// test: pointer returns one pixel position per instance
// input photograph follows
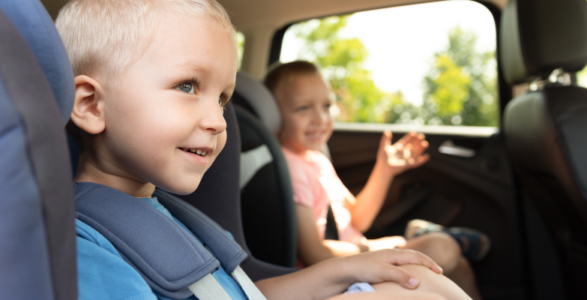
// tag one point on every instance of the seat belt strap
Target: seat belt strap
(248, 286)
(208, 288)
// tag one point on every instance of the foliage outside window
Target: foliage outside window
(240, 43)
(459, 87)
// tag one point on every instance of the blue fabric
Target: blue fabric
(103, 274)
(226, 281)
(23, 244)
(163, 253)
(37, 28)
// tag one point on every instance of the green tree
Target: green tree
(342, 62)
(459, 90)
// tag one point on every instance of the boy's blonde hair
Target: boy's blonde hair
(109, 35)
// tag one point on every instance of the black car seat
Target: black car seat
(266, 194)
(37, 233)
(545, 42)
(266, 189)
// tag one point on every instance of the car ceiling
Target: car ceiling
(253, 14)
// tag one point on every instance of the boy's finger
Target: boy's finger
(423, 259)
(401, 276)
(406, 257)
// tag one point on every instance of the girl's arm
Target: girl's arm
(392, 160)
(312, 248)
(334, 276)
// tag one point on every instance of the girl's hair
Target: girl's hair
(286, 72)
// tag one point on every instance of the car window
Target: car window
(423, 64)
(240, 43)
(582, 77)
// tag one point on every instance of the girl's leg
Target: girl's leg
(430, 282)
(387, 295)
(446, 252)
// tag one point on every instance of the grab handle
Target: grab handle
(449, 148)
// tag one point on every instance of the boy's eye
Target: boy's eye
(186, 87)
(302, 108)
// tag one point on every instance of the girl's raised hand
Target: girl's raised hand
(405, 154)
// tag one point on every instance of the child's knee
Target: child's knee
(442, 248)
(430, 282)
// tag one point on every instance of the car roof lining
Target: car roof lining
(253, 14)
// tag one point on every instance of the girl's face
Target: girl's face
(305, 110)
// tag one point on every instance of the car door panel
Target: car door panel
(476, 192)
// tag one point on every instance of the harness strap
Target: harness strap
(250, 289)
(168, 257)
(208, 288)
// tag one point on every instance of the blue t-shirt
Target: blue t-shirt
(103, 274)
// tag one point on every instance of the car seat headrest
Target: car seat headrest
(260, 100)
(38, 30)
(539, 36)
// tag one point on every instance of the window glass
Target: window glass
(240, 43)
(424, 64)
(582, 77)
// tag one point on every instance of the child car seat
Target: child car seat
(266, 191)
(37, 252)
(545, 128)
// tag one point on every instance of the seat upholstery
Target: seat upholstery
(267, 195)
(545, 129)
(36, 207)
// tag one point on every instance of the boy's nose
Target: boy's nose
(214, 120)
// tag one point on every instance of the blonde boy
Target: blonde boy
(152, 77)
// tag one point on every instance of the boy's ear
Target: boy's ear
(88, 108)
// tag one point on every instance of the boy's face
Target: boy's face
(169, 103)
(305, 110)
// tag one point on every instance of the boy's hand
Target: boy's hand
(407, 153)
(382, 266)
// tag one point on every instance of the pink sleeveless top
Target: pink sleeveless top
(315, 184)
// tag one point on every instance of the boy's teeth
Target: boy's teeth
(195, 151)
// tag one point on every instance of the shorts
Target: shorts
(360, 287)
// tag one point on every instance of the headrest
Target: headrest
(38, 30)
(539, 36)
(260, 100)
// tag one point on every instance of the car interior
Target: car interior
(522, 182)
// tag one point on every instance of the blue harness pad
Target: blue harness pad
(163, 253)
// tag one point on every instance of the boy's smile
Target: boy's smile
(305, 109)
(163, 118)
